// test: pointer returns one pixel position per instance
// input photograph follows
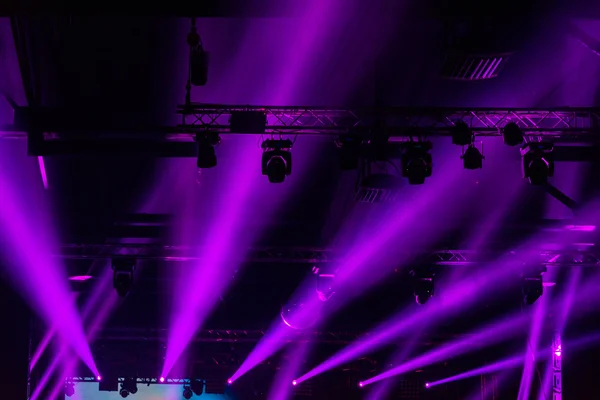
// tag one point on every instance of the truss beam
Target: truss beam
(308, 255)
(399, 121)
(78, 126)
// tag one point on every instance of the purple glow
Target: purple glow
(161, 379)
(80, 278)
(99, 378)
(581, 228)
(229, 381)
(360, 384)
(427, 385)
(294, 382)
(43, 172)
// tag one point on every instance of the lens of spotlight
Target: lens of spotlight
(513, 136)
(69, 389)
(124, 393)
(161, 379)
(187, 393)
(276, 169)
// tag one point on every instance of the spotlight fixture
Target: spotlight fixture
(206, 143)
(161, 379)
(325, 289)
(538, 163)
(197, 386)
(69, 389)
(294, 382)
(416, 162)
(461, 134)
(123, 275)
(513, 135)
(277, 159)
(533, 288)
(130, 385)
(472, 158)
(123, 393)
(423, 286)
(187, 393)
(350, 147)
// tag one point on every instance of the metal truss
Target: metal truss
(147, 381)
(398, 121)
(307, 255)
(182, 253)
(229, 336)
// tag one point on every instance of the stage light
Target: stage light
(161, 379)
(350, 147)
(325, 289)
(427, 385)
(277, 159)
(513, 135)
(187, 392)
(461, 134)
(299, 316)
(538, 163)
(206, 143)
(124, 393)
(123, 275)
(416, 162)
(423, 286)
(229, 381)
(361, 385)
(197, 386)
(472, 158)
(69, 389)
(533, 288)
(130, 385)
(294, 382)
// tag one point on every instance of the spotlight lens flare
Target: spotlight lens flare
(229, 381)
(361, 384)
(427, 385)
(161, 379)
(294, 382)
(99, 378)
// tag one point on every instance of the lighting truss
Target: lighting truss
(55, 125)
(399, 121)
(448, 257)
(147, 381)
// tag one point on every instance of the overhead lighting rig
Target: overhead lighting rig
(277, 159)
(538, 163)
(416, 162)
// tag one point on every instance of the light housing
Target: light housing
(423, 284)
(538, 162)
(513, 135)
(462, 135)
(416, 162)
(472, 158)
(206, 143)
(277, 159)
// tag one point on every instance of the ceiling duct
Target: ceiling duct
(477, 51)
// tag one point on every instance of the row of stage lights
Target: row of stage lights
(129, 386)
(423, 283)
(415, 159)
